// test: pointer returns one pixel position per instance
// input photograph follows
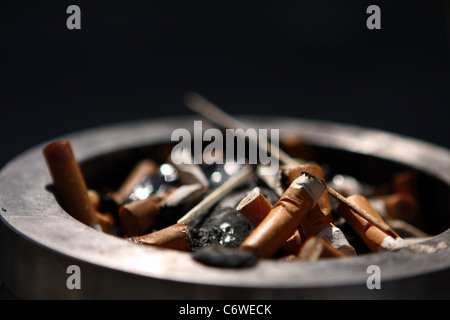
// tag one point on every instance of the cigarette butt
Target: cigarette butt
(284, 218)
(400, 206)
(320, 216)
(375, 239)
(106, 221)
(142, 169)
(69, 183)
(256, 207)
(374, 220)
(316, 248)
(319, 221)
(138, 216)
(95, 199)
(176, 237)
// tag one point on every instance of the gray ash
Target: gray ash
(225, 226)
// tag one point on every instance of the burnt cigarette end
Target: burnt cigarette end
(177, 237)
(58, 151)
(225, 257)
(308, 174)
(137, 217)
(373, 236)
(95, 199)
(312, 184)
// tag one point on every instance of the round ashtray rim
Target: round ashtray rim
(85, 147)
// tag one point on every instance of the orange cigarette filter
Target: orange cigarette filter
(175, 237)
(256, 207)
(319, 220)
(142, 169)
(285, 217)
(95, 198)
(106, 221)
(69, 183)
(375, 239)
(316, 248)
(138, 216)
(402, 206)
(320, 216)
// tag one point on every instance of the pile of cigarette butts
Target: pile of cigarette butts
(232, 215)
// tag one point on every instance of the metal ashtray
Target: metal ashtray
(39, 241)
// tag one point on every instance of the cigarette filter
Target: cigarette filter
(375, 239)
(175, 237)
(256, 207)
(95, 198)
(320, 216)
(70, 187)
(284, 218)
(138, 216)
(319, 221)
(106, 221)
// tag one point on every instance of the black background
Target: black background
(306, 59)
